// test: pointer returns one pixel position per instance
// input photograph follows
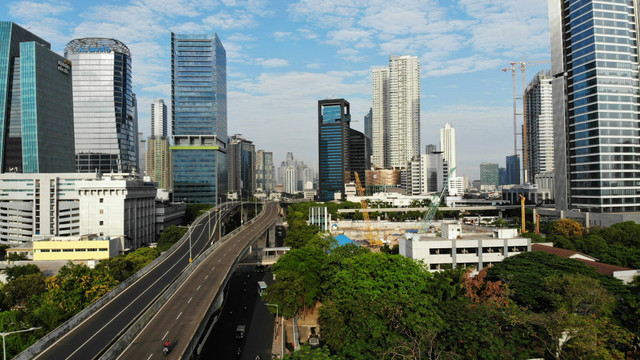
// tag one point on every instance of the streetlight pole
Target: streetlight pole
(4, 334)
(190, 231)
(281, 329)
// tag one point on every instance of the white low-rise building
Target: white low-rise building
(70, 204)
(453, 249)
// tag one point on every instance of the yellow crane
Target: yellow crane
(522, 199)
(365, 214)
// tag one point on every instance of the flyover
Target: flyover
(90, 333)
(185, 317)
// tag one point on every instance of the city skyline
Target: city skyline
(286, 53)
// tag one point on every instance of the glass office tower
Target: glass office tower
(594, 56)
(103, 106)
(199, 109)
(334, 118)
(36, 108)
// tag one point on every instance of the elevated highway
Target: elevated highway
(183, 318)
(92, 332)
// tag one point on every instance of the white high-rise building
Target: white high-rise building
(396, 112)
(290, 180)
(158, 118)
(425, 175)
(539, 100)
(379, 113)
(448, 145)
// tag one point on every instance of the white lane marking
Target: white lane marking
(191, 298)
(213, 267)
(198, 287)
(150, 356)
(206, 277)
(165, 335)
(219, 260)
(179, 315)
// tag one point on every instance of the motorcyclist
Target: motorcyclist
(167, 347)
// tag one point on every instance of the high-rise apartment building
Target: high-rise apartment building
(103, 105)
(159, 165)
(539, 114)
(158, 118)
(396, 112)
(35, 102)
(448, 146)
(334, 118)
(290, 180)
(594, 65)
(425, 174)
(265, 171)
(242, 166)
(142, 154)
(199, 109)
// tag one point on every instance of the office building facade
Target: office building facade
(265, 171)
(242, 164)
(594, 65)
(448, 145)
(359, 154)
(199, 109)
(35, 102)
(105, 124)
(489, 175)
(334, 118)
(539, 113)
(512, 171)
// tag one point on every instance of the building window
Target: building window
(101, 211)
(101, 222)
(101, 200)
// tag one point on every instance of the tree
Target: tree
(567, 227)
(298, 285)
(306, 353)
(193, 211)
(14, 272)
(373, 301)
(24, 289)
(170, 236)
(141, 257)
(119, 267)
(299, 233)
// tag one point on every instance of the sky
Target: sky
(283, 56)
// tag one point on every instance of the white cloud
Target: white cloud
(271, 63)
(280, 35)
(228, 21)
(36, 10)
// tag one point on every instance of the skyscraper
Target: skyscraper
(334, 118)
(242, 165)
(359, 154)
(158, 118)
(368, 125)
(448, 146)
(539, 112)
(489, 174)
(512, 172)
(159, 165)
(594, 65)
(103, 105)
(199, 108)
(265, 171)
(396, 112)
(35, 102)
(379, 117)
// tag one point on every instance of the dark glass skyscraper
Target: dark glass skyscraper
(242, 166)
(512, 170)
(334, 117)
(199, 109)
(36, 107)
(594, 65)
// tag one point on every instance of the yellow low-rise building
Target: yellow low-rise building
(76, 248)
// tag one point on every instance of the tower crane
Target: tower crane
(435, 203)
(364, 205)
(525, 151)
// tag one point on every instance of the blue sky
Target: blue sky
(283, 56)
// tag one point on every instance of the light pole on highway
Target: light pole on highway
(282, 330)
(190, 231)
(3, 334)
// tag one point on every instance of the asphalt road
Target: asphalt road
(95, 334)
(178, 320)
(243, 306)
